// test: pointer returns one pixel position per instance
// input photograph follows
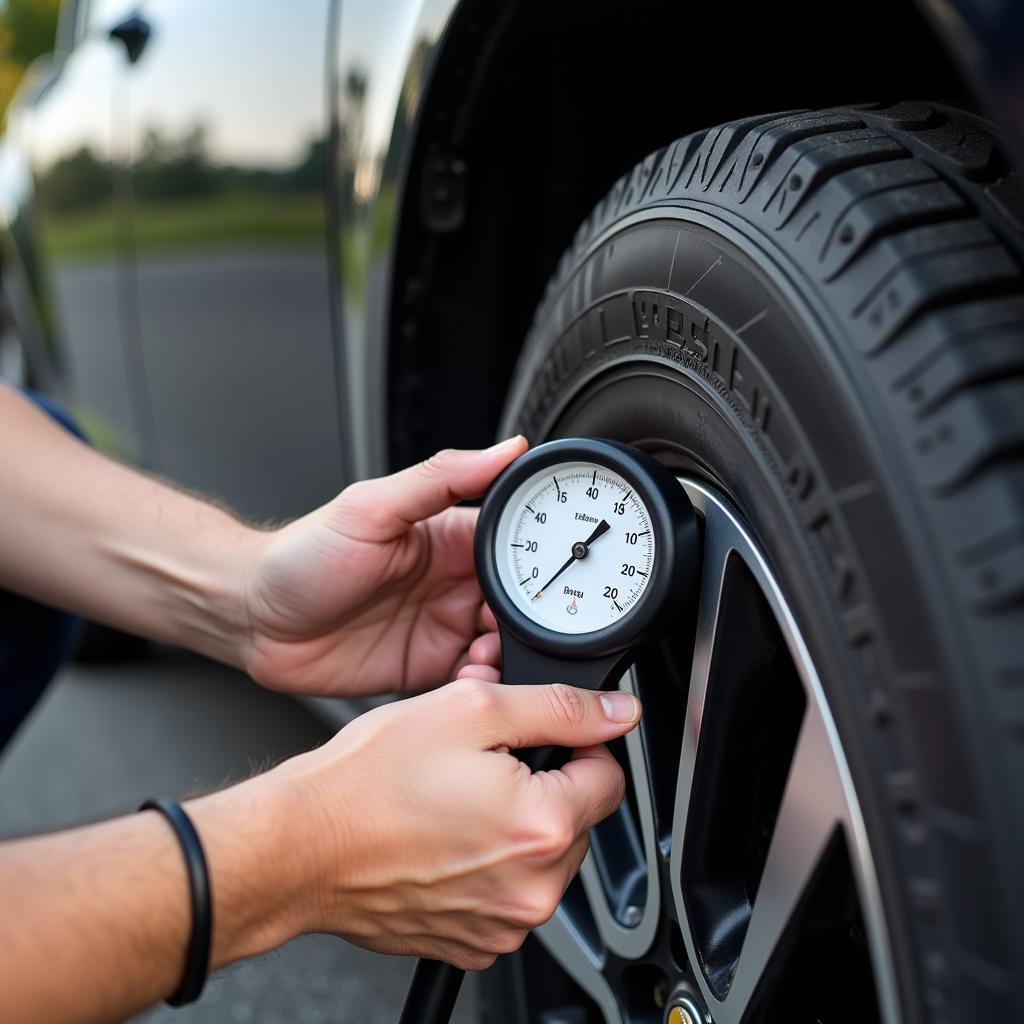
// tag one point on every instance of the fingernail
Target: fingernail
(509, 442)
(620, 707)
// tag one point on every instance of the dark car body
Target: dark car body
(266, 249)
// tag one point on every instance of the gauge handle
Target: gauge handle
(432, 994)
(522, 664)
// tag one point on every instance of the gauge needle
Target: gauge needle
(579, 550)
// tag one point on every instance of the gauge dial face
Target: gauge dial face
(574, 547)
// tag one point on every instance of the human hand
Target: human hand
(376, 590)
(427, 837)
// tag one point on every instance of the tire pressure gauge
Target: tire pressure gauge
(585, 550)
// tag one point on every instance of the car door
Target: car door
(73, 132)
(229, 226)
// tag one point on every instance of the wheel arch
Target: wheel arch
(532, 110)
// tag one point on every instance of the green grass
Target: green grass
(166, 225)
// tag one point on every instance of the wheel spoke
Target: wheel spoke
(626, 924)
(810, 811)
(640, 770)
(580, 961)
(716, 553)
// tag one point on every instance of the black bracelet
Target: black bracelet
(197, 960)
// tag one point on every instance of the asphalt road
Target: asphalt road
(105, 739)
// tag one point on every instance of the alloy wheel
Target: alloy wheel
(736, 881)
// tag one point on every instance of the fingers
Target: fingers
(488, 673)
(561, 716)
(482, 660)
(485, 621)
(449, 951)
(597, 784)
(384, 508)
(485, 650)
(591, 785)
(562, 806)
(573, 860)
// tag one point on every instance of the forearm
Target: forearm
(85, 533)
(96, 920)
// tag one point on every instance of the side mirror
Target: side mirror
(133, 33)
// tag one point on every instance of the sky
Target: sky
(252, 72)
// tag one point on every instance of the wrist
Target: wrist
(259, 867)
(228, 596)
(318, 816)
(211, 590)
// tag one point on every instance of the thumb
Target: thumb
(389, 505)
(562, 716)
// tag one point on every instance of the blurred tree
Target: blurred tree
(308, 174)
(28, 29)
(169, 167)
(75, 181)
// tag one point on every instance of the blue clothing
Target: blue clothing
(34, 640)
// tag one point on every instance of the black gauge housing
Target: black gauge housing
(671, 590)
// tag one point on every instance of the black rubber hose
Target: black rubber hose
(432, 994)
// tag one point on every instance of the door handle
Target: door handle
(133, 33)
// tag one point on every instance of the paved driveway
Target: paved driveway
(105, 739)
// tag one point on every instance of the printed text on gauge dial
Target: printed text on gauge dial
(574, 548)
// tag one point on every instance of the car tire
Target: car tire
(817, 318)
